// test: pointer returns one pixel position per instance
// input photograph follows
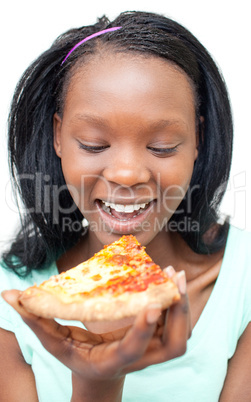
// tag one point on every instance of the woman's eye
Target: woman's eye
(163, 151)
(93, 148)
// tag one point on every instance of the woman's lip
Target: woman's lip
(124, 226)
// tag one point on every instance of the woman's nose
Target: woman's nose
(127, 170)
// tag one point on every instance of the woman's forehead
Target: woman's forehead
(127, 78)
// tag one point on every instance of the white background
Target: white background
(27, 28)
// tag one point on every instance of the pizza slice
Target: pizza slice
(117, 282)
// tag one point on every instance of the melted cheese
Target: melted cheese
(82, 280)
(122, 266)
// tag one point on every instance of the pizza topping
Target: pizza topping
(119, 259)
(121, 267)
(116, 282)
(96, 277)
(85, 271)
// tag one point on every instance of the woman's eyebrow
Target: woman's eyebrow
(147, 125)
(92, 119)
(164, 123)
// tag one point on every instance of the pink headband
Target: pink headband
(89, 37)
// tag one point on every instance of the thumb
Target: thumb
(12, 298)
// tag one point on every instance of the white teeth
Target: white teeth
(129, 208)
(124, 208)
(118, 207)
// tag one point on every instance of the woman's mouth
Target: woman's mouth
(124, 218)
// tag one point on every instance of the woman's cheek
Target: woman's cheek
(174, 190)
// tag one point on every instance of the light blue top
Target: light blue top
(198, 376)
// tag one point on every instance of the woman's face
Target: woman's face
(127, 143)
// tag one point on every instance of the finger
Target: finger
(180, 280)
(170, 271)
(139, 335)
(135, 342)
(173, 342)
(115, 335)
(12, 298)
(178, 323)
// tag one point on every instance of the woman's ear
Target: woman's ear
(57, 124)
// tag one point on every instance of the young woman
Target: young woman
(126, 124)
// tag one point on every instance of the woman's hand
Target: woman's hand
(153, 338)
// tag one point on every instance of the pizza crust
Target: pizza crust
(102, 308)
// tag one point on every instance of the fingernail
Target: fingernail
(153, 313)
(170, 271)
(8, 296)
(4, 295)
(181, 279)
